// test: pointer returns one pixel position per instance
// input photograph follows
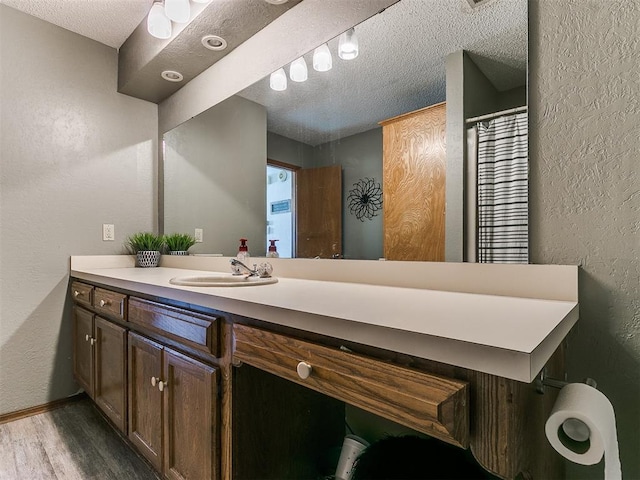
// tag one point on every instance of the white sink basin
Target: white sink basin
(221, 280)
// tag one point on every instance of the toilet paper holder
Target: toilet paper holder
(544, 381)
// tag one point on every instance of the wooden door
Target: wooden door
(191, 447)
(414, 167)
(110, 370)
(319, 212)
(145, 398)
(83, 349)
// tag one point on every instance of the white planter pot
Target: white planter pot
(148, 258)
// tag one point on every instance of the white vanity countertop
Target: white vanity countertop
(507, 336)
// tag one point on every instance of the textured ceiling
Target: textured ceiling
(143, 58)
(400, 67)
(107, 21)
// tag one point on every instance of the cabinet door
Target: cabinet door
(83, 349)
(110, 370)
(145, 399)
(190, 425)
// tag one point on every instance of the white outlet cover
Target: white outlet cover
(108, 232)
(198, 235)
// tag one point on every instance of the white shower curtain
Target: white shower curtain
(503, 190)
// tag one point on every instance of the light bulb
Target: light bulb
(298, 70)
(158, 25)
(348, 45)
(322, 60)
(278, 80)
(177, 10)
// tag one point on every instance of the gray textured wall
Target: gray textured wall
(585, 190)
(73, 154)
(360, 156)
(215, 177)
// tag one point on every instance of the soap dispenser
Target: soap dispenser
(243, 250)
(273, 251)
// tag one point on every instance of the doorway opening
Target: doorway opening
(281, 183)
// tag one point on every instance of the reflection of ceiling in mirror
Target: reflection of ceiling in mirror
(400, 67)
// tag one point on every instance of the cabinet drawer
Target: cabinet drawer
(431, 404)
(82, 293)
(110, 303)
(192, 329)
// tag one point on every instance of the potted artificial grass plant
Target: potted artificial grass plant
(179, 243)
(146, 246)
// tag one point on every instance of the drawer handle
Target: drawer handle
(76, 293)
(304, 370)
(162, 385)
(104, 303)
(154, 380)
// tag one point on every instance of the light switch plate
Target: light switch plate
(108, 232)
(198, 235)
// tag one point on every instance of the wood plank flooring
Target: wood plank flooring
(73, 442)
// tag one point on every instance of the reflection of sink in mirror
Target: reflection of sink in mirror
(221, 280)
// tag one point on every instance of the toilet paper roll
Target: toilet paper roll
(582, 428)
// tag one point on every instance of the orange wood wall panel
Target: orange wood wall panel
(414, 173)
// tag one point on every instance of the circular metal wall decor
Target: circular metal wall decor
(365, 199)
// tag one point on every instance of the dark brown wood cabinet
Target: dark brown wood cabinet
(83, 349)
(173, 410)
(99, 363)
(145, 399)
(162, 371)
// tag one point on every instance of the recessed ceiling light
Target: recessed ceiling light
(172, 76)
(214, 42)
(276, 2)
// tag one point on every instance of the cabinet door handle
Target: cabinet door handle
(153, 381)
(93, 341)
(304, 370)
(162, 385)
(86, 338)
(104, 303)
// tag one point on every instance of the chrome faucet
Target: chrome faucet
(262, 271)
(239, 265)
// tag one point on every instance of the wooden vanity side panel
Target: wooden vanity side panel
(427, 403)
(507, 436)
(193, 329)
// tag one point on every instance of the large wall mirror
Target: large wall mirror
(414, 54)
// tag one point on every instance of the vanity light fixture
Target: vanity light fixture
(172, 76)
(158, 25)
(298, 70)
(322, 60)
(348, 45)
(278, 80)
(178, 10)
(214, 42)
